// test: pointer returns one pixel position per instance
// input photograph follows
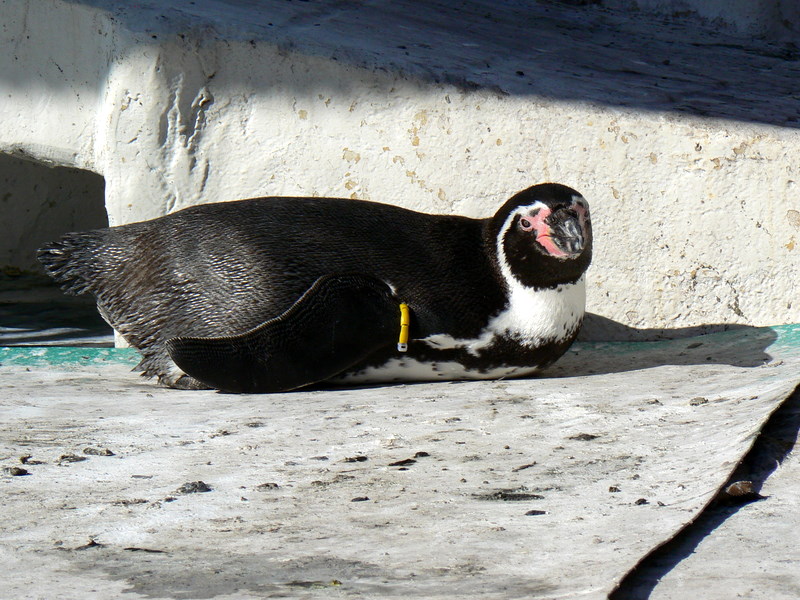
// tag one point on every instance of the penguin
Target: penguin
(274, 294)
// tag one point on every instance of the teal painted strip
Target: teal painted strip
(788, 336)
(37, 356)
(783, 338)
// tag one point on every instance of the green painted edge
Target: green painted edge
(785, 338)
(37, 356)
(779, 337)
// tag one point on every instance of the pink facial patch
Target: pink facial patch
(539, 225)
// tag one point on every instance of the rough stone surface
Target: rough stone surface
(740, 545)
(756, 540)
(683, 139)
(480, 489)
(777, 19)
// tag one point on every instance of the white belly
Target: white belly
(532, 318)
(410, 369)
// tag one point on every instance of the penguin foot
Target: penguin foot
(181, 381)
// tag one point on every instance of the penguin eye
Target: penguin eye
(525, 224)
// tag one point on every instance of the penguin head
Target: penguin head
(543, 236)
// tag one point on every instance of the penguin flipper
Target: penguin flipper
(338, 322)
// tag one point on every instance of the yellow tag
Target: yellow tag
(402, 343)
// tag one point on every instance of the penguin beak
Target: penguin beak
(567, 233)
(563, 233)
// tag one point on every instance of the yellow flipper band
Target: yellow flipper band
(402, 343)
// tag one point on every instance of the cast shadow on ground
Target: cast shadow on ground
(49, 323)
(606, 346)
(35, 312)
(777, 439)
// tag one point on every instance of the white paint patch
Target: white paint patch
(409, 369)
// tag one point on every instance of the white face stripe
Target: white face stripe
(505, 269)
(578, 202)
(531, 316)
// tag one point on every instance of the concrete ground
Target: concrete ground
(563, 486)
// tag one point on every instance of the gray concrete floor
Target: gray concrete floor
(555, 487)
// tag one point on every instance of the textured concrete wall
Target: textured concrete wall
(52, 71)
(39, 203)
(775, 19)
(688, 162)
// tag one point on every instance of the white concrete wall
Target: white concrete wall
(697, 219)
(52, 71)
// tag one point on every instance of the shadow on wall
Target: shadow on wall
(574, 50)
(40, 203)
(597, 328)
(579, 52)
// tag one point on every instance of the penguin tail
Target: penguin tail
(72, 261)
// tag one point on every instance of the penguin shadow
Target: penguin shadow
(775, 443)
(606, 346)
(53, 324)
(35, 312)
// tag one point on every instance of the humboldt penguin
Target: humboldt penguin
(274, 294)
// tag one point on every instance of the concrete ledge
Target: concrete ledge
(40, 203)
